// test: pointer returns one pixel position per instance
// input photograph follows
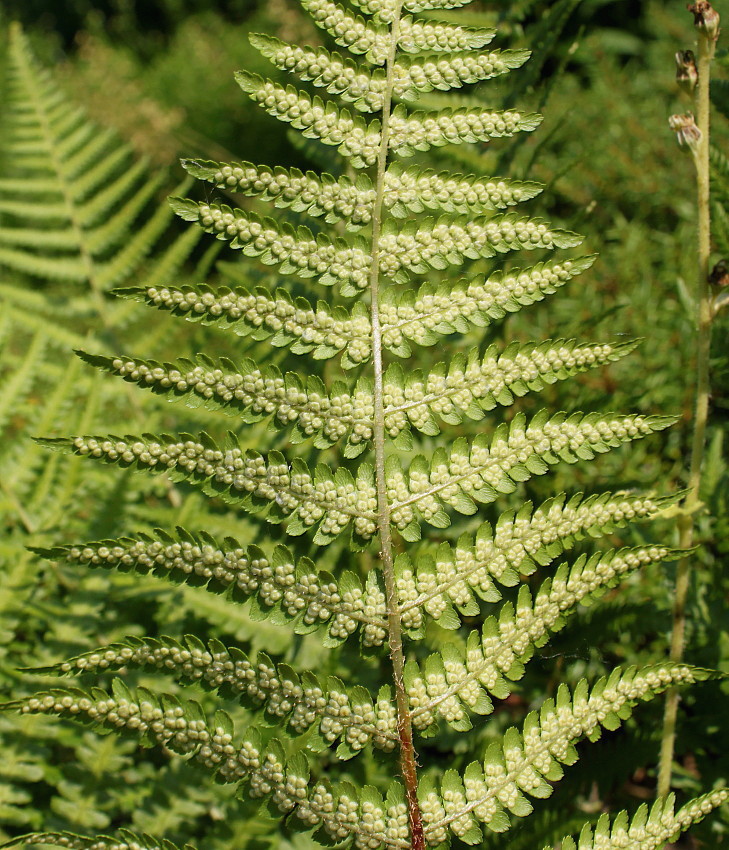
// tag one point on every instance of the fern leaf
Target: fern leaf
(294, 250)
(302, 699)
(420, 131)
(79, 188)
(434, 310)
(420, 316)
(478, 472)
(324, 330)
(331, 71)
(648, 829)
(471, 385)
(281, 588)
(328, 499)
(317, 119)
(526, 762)
(454, 70)
(440, 582)
(342, 198)
(357, 84)
(383, 10)
(361, 37)
(437, 243)
(182, 727)
(317, 195)
(20, 382)
(418, 189)
(451, 684)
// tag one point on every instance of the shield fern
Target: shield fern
(372, 260)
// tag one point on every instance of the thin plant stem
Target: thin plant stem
(408, 758)
(686, 523)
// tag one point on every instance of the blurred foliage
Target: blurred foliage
(160, 73)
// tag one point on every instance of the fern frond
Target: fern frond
(337, 74)
(521, 764)
(647, 829)
(437, 243)
(383, 10)
(435, 310)
(477, 472)
(294, 250)
(301, 699)
(413, 189)
(354, 138)
(330, 499)
(360, 37)
(281, 588)
(449, 576)
(324, 330)
(357, 84)
(359, 141)
(469, 385)
(526, 762)
(342, 198)
(78, 201)
(20, 382)
(455, 682)
(420, 131)
(315, 194)
(419, 316)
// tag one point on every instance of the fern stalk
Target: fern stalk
(686, 522)
(408, 764)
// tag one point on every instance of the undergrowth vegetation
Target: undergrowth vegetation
(285, 667)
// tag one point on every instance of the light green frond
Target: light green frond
(527, 762)
(421, 316)
(116, 190)
(330, 499)
(79, 202)
(450, 685)
(418, 246)
(295, 250)
(301, 700)
(182, 727)
(315, 194)
(420, 131)
(73, 270)
(372, 40)
(122, 840)
(471, 384)
(434, 310)
(453, 70)
(282, 588)
(252, 394)
(467, 386)
(417, 190)
(445, 580)
(317, 119)
(365, 88)
(384, 10)
(340, 198)
(466, 474)
(19, 382)
(648, 829)
(331, 71)
(325, 331)
(55, 240)
(115, 227)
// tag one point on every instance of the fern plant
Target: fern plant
(383, 303)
